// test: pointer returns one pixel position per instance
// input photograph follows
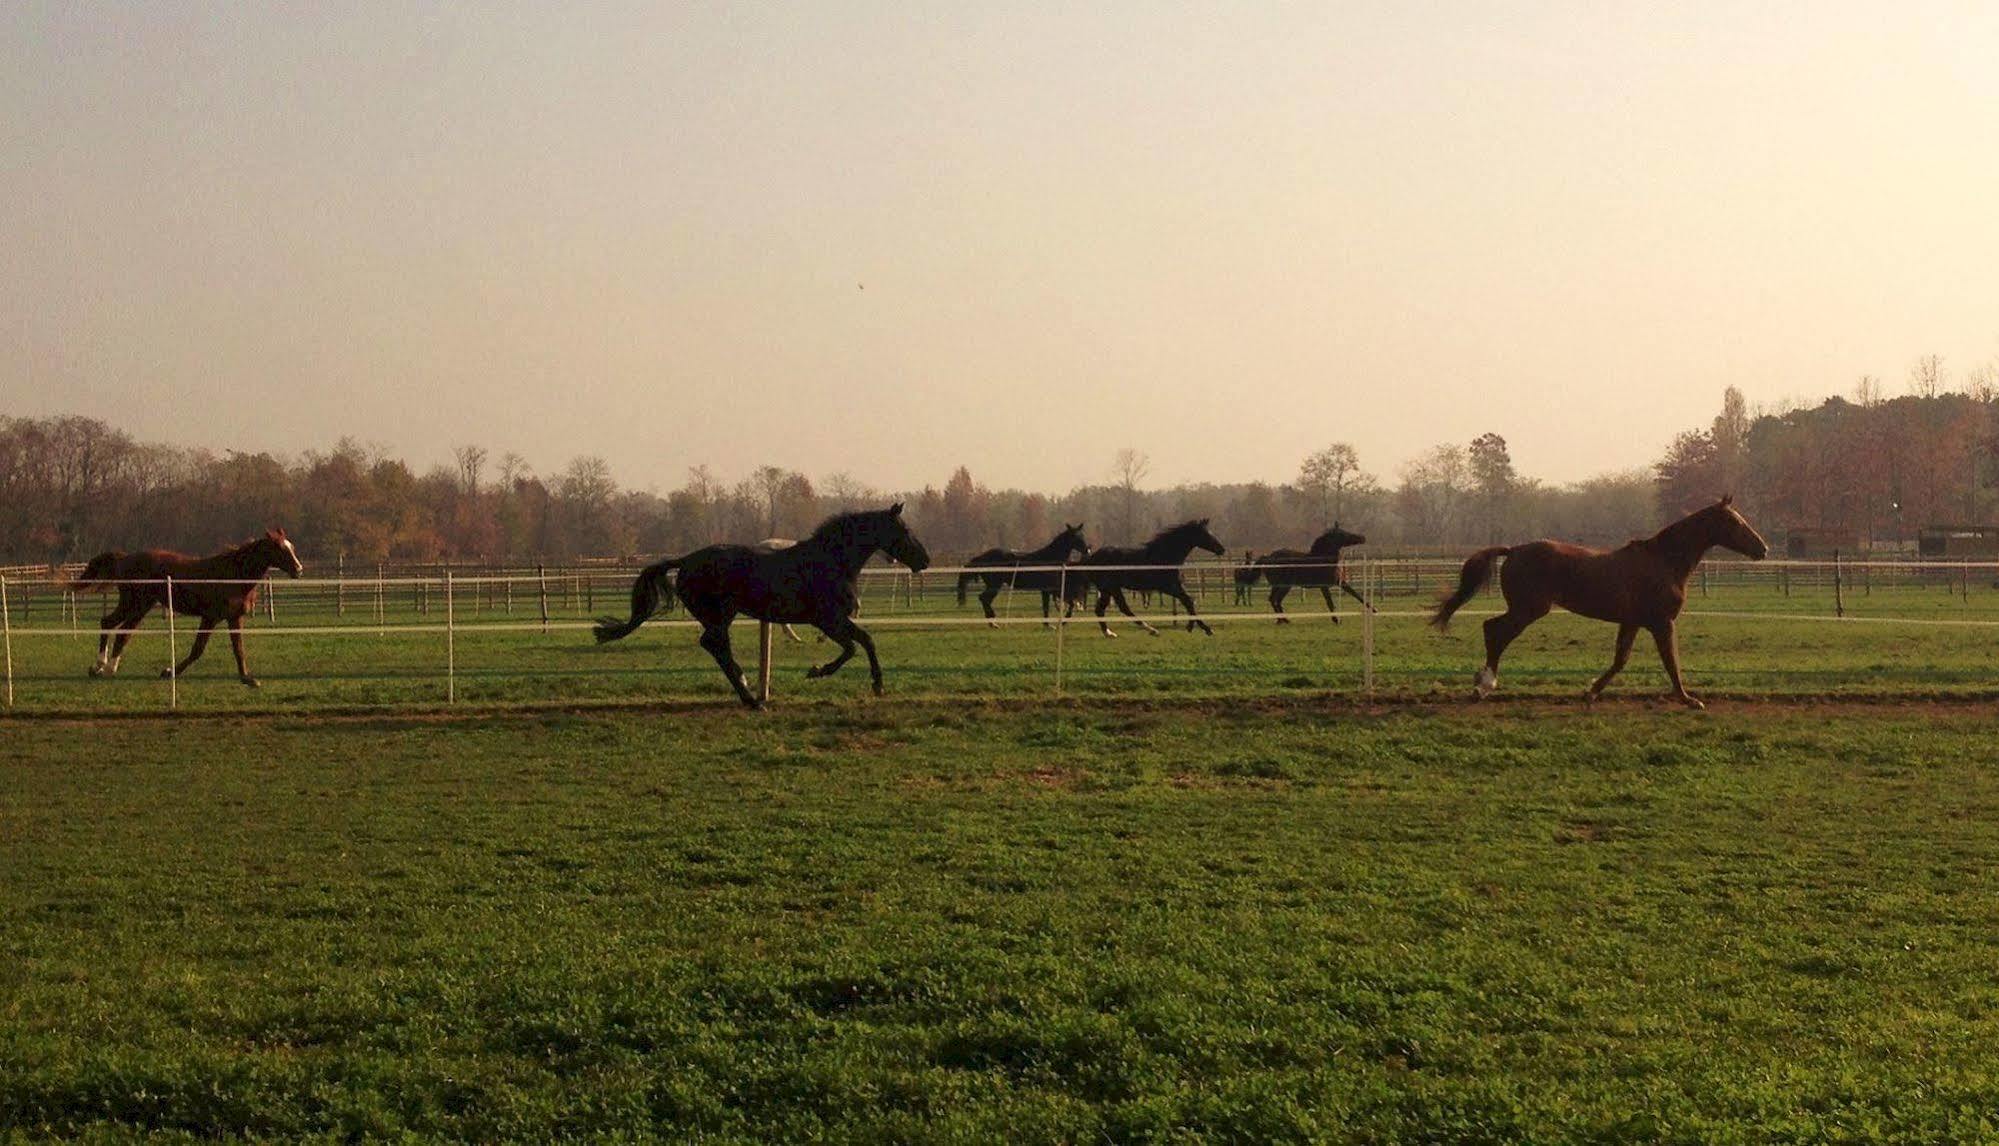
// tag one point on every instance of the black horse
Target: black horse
(1318, 568)
(812, 582)
(1027, 571)
(1110, 571)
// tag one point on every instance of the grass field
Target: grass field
(1745, 638)
(1087, 920)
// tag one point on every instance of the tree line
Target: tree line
(1879, 467)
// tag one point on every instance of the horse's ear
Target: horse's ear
(895, 510)
(1728, 499)
(1203, 523)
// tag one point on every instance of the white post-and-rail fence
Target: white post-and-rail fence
(1375, 579)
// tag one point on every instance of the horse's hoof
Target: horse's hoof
(1283, 620)
(96, 671)
(250, 682)
(1590, 695)
(1690, 702)
(1111, 635)
(1484, 683)
(166, 674)
(879, 690)
(1334, 620)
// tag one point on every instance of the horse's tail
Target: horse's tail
(648, 597)
(96, 575)
(1477, 571)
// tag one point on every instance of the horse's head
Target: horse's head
(1730, 530)
(1197, 533)
(1335, 539)
(277, 551)
(893, 536)
(1069, 543)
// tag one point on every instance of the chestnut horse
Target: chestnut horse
(1642, 585)
(221, 587)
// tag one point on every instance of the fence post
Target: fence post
(1367, 580)
(380, 631)
(340, 585)
(270, 600)
(1838, 589)
(7, 638)
(173, 651)
(763, 662)
(450, 644)
(1061, 622)
(541, 583)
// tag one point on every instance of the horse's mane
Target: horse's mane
(1170, 530)
(838, 523)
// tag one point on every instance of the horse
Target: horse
(1317, 568)
(1642, 585)
(220, 587)
(812, 582)
(1245, 576)
(1108, 570)
(1009, 571)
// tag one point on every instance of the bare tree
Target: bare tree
(1327, 475)
(471, 460)
(1129, 468)
(1926, 376)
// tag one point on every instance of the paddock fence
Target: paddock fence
(432, 611)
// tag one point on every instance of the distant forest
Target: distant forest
(1875, 467)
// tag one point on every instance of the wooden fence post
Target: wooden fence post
(173, 651)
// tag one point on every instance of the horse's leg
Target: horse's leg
(1179, 593)
(236, 646)
(194, 651)
(1625, 635)
(868, 647)
(111, 621)
(837, 632)
(715, 638)
(1669, 653)
(1104, 602)
(1124, 606)
(132, 618)
(1355, 594)
(1047, 595)
(1332, 604)
(986, 600)
(1277, 595)
(1499, 633)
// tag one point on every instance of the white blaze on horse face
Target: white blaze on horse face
(297, 565)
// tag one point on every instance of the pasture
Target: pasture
(1101, 919)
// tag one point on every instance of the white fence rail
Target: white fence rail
(452, 605)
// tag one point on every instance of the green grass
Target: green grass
(1067, 922)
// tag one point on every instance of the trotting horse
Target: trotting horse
(1317, 568)
(1110, 571)
(221, 587)
(812, 582)
(1642, 585)
(1027, 571)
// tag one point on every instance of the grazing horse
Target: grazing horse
(1029, 571)
(1642, 585)
(1109, 571)
(812, 582)
(1317, 568)
(221, 587)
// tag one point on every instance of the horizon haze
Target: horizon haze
(889, 240)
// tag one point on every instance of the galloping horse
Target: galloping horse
(1109, 573)
(1642, 585)
(1317, 568)
(811, 582)
(221, 587)
(1008, 571)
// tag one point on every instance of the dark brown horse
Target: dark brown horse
(1642, 585)
(812, 582)
(1153, 567)
(1033, 571)
(221, 587)
(1317, 568)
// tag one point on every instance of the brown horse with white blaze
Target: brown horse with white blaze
(220, 587)
(1642, 585)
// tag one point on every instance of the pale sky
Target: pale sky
(889, 239)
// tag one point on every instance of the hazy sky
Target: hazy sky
(889, 239)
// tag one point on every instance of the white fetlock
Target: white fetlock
(1485, 682)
